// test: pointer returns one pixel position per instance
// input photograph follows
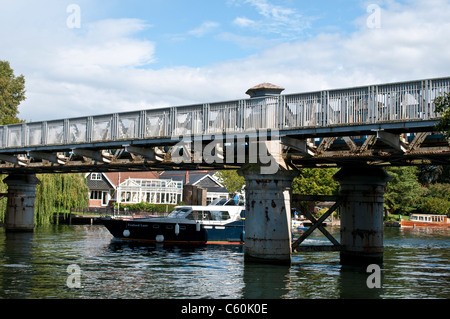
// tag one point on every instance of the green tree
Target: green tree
(3, 201)
(59, 193)
(430, 174)
(404, 191)
(436, 199)
(230, 180)
(434, 205)
(316, 181)
(12, 92)
(443, 106)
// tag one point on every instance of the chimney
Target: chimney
(186, 178)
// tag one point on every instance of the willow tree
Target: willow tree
(3, 201)
(59, 193)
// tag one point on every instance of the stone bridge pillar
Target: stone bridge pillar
(268, 215)
(21, 197)
(362, 214)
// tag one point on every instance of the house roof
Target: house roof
(116, 178)
(204, 179)
(187, 177)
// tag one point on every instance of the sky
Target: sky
(91, 57)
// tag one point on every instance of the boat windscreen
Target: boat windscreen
(179, 213)
(209, 215)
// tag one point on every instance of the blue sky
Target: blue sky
(146, 54)
(197, 32)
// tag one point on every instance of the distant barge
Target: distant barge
(426, 220)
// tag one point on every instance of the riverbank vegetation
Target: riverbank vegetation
(59, 193)
(423, 189)
(146, 207)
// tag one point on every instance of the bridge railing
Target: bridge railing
(404, 101)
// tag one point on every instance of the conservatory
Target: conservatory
(153, 191)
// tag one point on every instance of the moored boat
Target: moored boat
(298, 225)
(426, 220)
(218, 223)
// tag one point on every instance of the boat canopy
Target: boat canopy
(212, 213)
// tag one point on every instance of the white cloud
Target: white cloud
(205, 28)
(244, 22)
(107, 44)
(275, 19)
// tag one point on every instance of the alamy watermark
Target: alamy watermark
(74, 278)
(374, 19)
(374, 279)
(73, 21)
(263, 149)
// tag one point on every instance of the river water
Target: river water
(36, 265)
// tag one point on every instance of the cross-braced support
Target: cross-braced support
(317, 224)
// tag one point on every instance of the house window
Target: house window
(96, 176)
(96, 194)
(100, 195)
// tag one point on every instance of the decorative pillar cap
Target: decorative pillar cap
(21, 179)
(264, 89)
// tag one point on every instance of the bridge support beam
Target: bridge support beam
(20, 207)
(268, 216)
(362, 214)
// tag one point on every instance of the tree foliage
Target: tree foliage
(434, 205)
(443, 107)
(316, 181)
(59, 193)
(430, 174)
(403, 191)
(436, 199)
(146, 207)
(230, 180)
(12, 92)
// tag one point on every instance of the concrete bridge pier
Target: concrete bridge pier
(362, 214)
(268, 216)
(21, 198)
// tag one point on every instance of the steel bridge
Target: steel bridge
(359, 129)
(386, 124)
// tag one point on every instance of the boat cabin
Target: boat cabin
(428, 218)
(207, 213)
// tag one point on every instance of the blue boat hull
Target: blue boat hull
(175, 233)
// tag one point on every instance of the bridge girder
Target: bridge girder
(387, 148)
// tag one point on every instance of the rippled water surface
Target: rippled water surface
(416, 265)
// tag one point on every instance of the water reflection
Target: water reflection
(34, 265)
(352, 283)
(265, 281)
(16, 277)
